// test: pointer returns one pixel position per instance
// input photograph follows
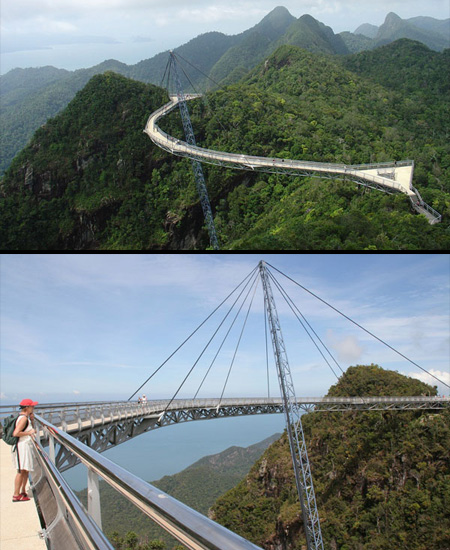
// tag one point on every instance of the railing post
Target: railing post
(51, 448)
(93, 494)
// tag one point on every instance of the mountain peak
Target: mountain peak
(392, 17)
(275, 23)
(366, 29)
(310, 34)
(309, 19)
(394, 28)
(280, 11)
(392, 23)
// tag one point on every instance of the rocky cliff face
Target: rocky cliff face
(382, 480)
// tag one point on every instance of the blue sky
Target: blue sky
(94, 326)
(72, 34)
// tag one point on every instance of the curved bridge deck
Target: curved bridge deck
(388, 177)
(78, 417)
(103, 425)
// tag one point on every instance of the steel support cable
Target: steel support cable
(204, 99)
(282, 291)
(188, 79)
(206, 347)
(192, 333)
(224, 339)
(300, 321)
(360, 326)
(197, 69)
(209, 78)
(267, 352)
(238, 343)
(292, 305)
(165, 72)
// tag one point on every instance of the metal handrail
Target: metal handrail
(195, 531)
(429, 209)
(389, 164)
(92, 536)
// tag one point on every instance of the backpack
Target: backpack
(9, 425)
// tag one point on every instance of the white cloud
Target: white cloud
(348, 348)
(115, 273)
(444, 376)
(216, 13)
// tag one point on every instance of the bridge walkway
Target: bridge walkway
(389, 177)
(19, 522)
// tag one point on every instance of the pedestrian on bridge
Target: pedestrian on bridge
(22, 452)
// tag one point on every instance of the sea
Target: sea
(168, 450)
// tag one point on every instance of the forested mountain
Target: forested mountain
(253, 46)
(429, 24)
(436, 28)
(381, 479)
(90, 179)
(433, 33)
(394, 28)
(25, 106)
(198, 486)
(368, 30)
(203, 482)
(29, 97)
(310, 34)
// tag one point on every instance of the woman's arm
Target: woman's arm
(21, 426)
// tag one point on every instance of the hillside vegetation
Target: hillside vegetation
(90, 179)
(197, 486)
(382, 479)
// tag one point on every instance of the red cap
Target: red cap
(28, 403)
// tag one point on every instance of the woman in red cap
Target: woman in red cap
(23, 451)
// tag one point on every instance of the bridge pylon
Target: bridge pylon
(302, 470)
(196, 165)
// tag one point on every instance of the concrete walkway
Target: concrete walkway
(19, 521)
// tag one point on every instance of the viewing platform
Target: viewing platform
(19, 521)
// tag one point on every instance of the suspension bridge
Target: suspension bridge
(389, 177)
(69, 433)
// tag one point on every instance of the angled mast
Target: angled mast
(294, 428)
(198, 171)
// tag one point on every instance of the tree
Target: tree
(131, 540)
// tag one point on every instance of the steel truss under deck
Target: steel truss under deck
(102, 426)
